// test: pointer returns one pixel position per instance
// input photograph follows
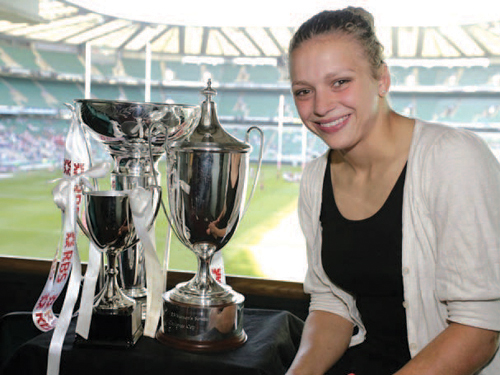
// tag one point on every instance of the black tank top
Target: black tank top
(363, 257)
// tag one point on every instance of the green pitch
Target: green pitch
(30, 223)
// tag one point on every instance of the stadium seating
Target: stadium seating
(29, 90)
(21, 56)
(63, 62)
(132, 93)
(64, 92)
(476, 75)
(9, 95)
(134, 68)
(43, 79)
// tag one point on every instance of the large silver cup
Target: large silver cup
(206, 186)
(134, 134)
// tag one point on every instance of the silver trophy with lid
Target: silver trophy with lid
(135, 134)
(207, 176)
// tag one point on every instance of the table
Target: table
(273, 339)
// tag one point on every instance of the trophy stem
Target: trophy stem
(203, 282)
(112, 286)
(203, 279)
(113, 300)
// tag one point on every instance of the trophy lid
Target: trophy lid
(209, 135)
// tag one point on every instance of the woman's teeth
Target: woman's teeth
(334, 123)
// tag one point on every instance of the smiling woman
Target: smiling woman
(390, 248)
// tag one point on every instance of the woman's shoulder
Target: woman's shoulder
(312, 177)
(443, 152)
(439, 138)
(316, 166)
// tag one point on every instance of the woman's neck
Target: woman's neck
(388, 142)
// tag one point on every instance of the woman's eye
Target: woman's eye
(340, 82)
(301, 92)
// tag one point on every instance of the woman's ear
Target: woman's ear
(384, 81)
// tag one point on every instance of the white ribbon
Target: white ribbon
(62, 323)
(92, 273)
(88, 292)
(217, 267)
(142, 212)
(64, 197)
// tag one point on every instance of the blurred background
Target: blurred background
(444, 59)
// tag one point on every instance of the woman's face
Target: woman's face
(334, 90)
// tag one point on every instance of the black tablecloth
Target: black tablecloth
(273, 339)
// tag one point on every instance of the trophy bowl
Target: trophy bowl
(129, 129)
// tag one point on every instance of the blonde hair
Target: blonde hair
(352, 21)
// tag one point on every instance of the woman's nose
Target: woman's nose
(323, 104)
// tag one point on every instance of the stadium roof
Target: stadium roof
(422, 29)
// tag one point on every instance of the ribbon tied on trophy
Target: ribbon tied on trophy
(143, 206)
(44, 318)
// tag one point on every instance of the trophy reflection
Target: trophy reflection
(116, 319)
(206, 186)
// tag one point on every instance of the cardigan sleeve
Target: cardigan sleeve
(462, 185)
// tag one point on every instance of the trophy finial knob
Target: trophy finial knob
(209, 91)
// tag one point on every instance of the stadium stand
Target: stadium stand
(28, 92)
(43, 79)
(10, 97)
(132, 93)
(134, 67)
(63, 62)
(63, 92)
(19, 56)
(476, 76)
(233, 73)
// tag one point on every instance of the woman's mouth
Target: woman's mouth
(333, 126)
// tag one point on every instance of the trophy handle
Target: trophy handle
(259, 165)
(155, 175)
(83, 228)
(80, 223)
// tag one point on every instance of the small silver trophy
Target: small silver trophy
(206, 186)
(132, 134)
(116, 319)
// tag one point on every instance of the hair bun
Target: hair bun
(363, 13)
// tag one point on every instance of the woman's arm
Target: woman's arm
(458, 350)
(325, 338)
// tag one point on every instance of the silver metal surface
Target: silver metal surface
(135, 134)
(128, 129)
(205, 195)
(131, 262)
(206, 186)
(110, 227)
(202, 328)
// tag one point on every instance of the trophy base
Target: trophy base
(197, 328)
(140, 302)
(117, 331)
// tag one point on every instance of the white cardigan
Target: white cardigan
(451, 238)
